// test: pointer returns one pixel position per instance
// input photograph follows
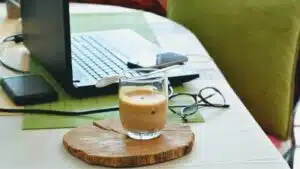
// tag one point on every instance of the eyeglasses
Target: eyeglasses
(186, 104)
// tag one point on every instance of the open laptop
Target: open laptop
(76, 61)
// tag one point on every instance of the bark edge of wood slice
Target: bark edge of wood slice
(105, 144)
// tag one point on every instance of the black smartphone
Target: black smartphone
(161, 60)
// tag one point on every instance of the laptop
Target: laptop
(76, 61)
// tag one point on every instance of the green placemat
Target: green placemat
(86, 23)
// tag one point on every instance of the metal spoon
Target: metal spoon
(114, 79)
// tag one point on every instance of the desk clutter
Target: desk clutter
(122, 20)
(99, 140)
(105, 143)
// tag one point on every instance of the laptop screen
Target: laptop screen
(47, 36)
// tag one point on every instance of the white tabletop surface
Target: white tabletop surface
(229, 139)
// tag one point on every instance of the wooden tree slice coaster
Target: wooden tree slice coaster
(105, 143)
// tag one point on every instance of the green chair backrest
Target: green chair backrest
(254, 42)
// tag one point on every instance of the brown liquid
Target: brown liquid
(141, 110)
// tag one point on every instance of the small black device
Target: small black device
(162, 60)
(28, 89)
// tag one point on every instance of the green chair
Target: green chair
(254, 43)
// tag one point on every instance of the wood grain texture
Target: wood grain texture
(106, 144)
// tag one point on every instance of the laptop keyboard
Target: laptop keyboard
(94, 58)
(98, 61)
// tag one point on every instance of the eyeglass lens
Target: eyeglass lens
(184, 104)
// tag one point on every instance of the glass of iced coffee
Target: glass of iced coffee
(143, 103)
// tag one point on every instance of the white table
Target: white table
(229, 139)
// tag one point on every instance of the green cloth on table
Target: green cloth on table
(86, 23)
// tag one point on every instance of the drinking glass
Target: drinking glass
(143, 103)
(13, 9)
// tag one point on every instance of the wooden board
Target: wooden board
(105, 143)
